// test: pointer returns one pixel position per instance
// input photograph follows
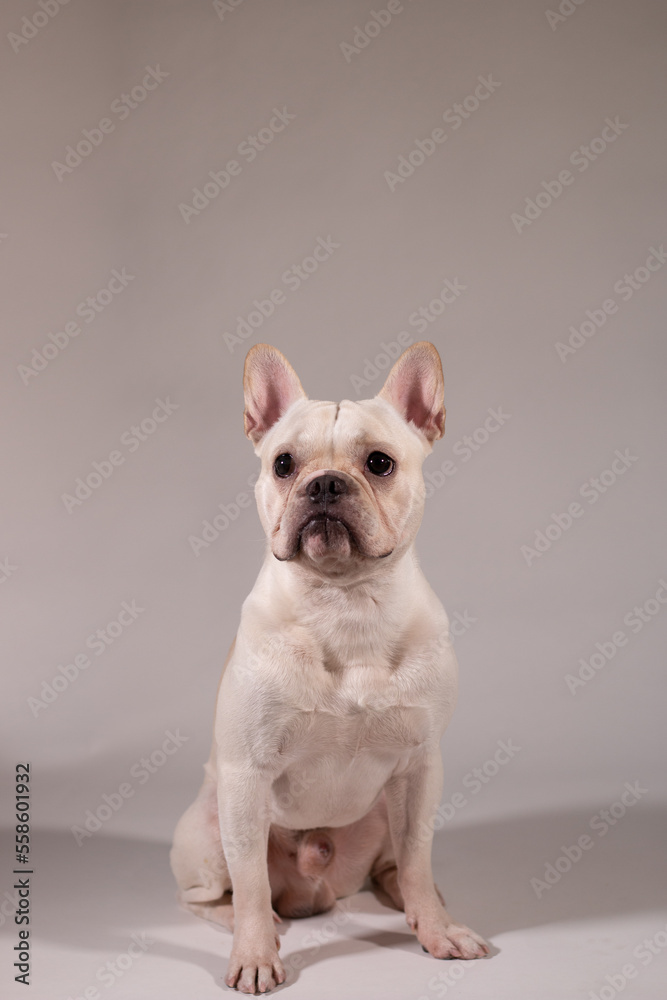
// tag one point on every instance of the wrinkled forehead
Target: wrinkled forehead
(374, 423)
(346, 428)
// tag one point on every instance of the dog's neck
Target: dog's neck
(376, 596)
(304, 577)
(356, 618)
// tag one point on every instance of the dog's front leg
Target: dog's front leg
(243, 809)
(413, 796)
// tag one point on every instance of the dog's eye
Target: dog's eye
(379, 464)
(284, 465)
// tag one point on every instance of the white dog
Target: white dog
(325, 767)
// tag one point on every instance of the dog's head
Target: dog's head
(341, 483)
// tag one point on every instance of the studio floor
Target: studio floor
(106, 924)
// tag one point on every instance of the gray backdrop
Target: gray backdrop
(184, 180)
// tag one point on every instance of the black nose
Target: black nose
(326, 489)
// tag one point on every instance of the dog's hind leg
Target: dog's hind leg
(197, 859)
(384, 872)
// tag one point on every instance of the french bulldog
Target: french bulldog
(325, 767)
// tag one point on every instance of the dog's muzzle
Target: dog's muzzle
(329, 522)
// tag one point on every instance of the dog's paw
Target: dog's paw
(254, 969)
(451, 941)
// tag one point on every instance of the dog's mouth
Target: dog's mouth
(326, 534)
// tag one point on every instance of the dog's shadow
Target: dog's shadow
(497, 876)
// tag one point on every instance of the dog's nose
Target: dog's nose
(326, 489)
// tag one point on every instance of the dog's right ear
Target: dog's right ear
(270, 386)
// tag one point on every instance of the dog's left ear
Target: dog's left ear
(270, 386)
(416, 388)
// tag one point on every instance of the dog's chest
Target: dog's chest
(364, 708)
(347, 739)
(361, 690)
